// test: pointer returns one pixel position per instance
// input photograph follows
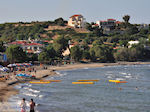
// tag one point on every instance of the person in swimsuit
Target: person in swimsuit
(23, 105)
(32, 105)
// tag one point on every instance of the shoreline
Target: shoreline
(7, 89)
(93, 65)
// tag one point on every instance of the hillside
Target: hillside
(47, 30)
(78, 30)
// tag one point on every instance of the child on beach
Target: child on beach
(23, 105)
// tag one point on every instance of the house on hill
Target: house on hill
(108, 25)
(132, 43)
(76, 21)
(29, 47)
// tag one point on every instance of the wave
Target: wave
(30, 94)
(32, 90)
(123, 73)
(120, 79)
(86, 68)
(61, 74)
(127, 76)
(41, 96)
(109, 77)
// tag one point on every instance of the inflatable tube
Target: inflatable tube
(50, 80)
(85, 80)
(114, 80)
(40, 82)
(82, 82)
(122, 82)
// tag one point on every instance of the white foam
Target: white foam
(29, 85)
(109, 77)
(30, 94)
(85, 68)
(18, 86)
(40, 96)
(61, 74)
(119, 79)
(57, 73)
(128, 76)
(109, 74)
(123, 73)
(33, 90)
(51, 78)
(26, 88)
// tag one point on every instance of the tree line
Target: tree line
(94, 46)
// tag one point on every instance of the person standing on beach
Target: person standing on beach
(23, 105)
(32, 105)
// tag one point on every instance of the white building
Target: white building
(76, 21)
(132, 43)
(29, 47)
(33, 48)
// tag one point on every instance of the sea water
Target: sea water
(102, 96)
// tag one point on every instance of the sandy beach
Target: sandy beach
(7, 87)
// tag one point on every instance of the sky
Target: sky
(92, 10)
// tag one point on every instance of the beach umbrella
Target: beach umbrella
(25, 65)
(23, 75)
(19, 75)
(11, 65)
(18, 65)
(4, 69)
(14, 64)
(30, 64)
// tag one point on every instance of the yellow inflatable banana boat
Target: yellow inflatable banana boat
(82, 82)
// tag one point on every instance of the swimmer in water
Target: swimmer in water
(119, 88)
(136, 88)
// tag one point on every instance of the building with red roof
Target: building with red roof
(28, 46)
(76, 21)
(108, 25)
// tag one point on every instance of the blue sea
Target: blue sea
(102, 96)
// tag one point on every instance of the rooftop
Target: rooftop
(76, 15)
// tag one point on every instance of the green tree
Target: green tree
(97, 42)
(127, 54)
(97, 31)
(60, 21)
(143, 31)
(76, 53)
(101, 53)
(131, 30)
(47, 55)
(2, 47)
(20, 36)
(88, 26)
(60, 45)
(43, 57)
(123, 43)
(126, 18)
(15, 54)
(51, 52)
(85, 54)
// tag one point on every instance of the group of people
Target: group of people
(24, 106)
